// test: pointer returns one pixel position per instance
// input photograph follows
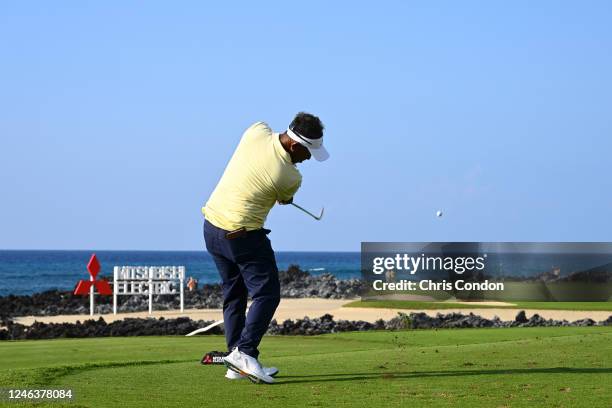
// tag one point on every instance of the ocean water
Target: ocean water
(26, 272)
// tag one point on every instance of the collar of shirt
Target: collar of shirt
(280, 150)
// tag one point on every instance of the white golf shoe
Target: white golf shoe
(243, 364)
(232, 375)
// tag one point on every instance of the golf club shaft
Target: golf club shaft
(306, 211)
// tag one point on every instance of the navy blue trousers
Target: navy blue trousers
(248, 268)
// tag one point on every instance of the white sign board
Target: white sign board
(148, 280)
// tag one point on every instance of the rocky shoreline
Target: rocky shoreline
(295, 283)
(306, 326)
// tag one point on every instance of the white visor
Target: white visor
(314, 146)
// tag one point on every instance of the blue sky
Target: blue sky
(117, 119)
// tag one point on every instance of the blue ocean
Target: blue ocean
(25, 272)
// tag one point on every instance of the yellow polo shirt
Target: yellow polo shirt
(259, 173)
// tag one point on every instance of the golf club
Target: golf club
(210, 326)
(204, 329)
(309, 213)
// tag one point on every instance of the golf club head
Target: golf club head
(321, 214)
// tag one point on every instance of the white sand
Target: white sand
(314, 307)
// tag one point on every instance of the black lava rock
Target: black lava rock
(295, 283)
(306, 326)
(99, 328)
(521, 317)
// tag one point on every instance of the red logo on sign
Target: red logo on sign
(102, 285)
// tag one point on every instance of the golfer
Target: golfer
(261, 172)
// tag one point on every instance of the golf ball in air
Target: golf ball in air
(439, 213)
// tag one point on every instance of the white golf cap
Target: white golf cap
(314, 146)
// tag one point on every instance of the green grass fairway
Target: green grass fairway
(419, 305)
(518, 367)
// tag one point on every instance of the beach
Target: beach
(298, 308)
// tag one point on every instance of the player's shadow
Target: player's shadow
(390, 375)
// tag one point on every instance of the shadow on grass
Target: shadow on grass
(294, 379)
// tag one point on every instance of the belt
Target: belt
(237, 233)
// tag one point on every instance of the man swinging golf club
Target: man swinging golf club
(261, 172)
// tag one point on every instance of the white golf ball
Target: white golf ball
(439, 213)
